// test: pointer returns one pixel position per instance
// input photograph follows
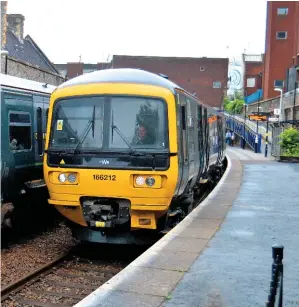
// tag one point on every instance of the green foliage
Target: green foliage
(289, 142)
(233, 106)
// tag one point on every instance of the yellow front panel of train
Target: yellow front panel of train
(72, 176)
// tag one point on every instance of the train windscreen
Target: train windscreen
(109, 123)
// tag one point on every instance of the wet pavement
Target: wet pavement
(235, 268)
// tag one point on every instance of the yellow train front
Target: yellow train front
(125, 152)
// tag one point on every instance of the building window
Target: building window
(281, 34)
(202, 68)
(250, 82)
(282, 11)
(19, 131)
(216, 84)
(278, 83)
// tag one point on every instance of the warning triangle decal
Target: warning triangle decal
(62, 162)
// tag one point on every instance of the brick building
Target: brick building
(21, 56)
(281, 47)
(206, 77)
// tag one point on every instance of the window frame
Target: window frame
(282, 8)
(20, 125)
(217, 82)
(278, 85)
(105, 96)
(280, 38)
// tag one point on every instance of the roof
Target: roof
(121, 75)
(20, 83)
(163, 58)
(27, 50)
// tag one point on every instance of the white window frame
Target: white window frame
(286, 34)
(251, 82)
(217, 82)
(282, 11)
(279, 86)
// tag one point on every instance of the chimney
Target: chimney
(3, 23)
(16, 23)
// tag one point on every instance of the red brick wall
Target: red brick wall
(279, 53)
(74, 69)
(252, 70)
(186, 73)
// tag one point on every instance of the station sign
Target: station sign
(257, 117)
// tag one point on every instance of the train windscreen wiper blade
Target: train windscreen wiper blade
(90, 124)
(114, 127)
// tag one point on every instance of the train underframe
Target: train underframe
(109, 219)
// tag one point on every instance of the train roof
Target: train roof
(121, 75)
(24, 84)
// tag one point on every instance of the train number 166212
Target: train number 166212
(104, 177)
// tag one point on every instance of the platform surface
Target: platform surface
(220, 255)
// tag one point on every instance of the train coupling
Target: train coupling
(105, 212)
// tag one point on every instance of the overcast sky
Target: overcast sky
(64, 30)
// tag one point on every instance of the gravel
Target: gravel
(19, 260)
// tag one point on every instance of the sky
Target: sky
(66, 30)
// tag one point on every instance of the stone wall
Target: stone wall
(26, 71)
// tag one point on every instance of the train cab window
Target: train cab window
(19, 131)
(39, 122)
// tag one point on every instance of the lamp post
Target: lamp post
(258, 109)
(280, 103)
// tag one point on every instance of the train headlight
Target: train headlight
(62, 178)
(140, 180)
(150, 181)
(72, 178)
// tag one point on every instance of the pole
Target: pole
(267, 130)
(294, 106)
(257, 122)
(280, 107)
(244, 135)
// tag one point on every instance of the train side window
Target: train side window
(39, 121)
(19, 131)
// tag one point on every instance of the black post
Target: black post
(267, 130)
(276, 276)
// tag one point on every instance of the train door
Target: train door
(183, 142)
(39, 115)
(45, 118)
(200, 139)
(20, 123)
(190, 138)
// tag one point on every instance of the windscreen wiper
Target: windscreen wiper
(90, 124)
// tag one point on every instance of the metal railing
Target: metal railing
(276, 284)
(245, 133)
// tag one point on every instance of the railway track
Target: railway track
(62, 282)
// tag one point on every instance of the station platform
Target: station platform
(220, 254)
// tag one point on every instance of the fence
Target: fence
(276, 284)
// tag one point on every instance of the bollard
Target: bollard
(276, 276)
